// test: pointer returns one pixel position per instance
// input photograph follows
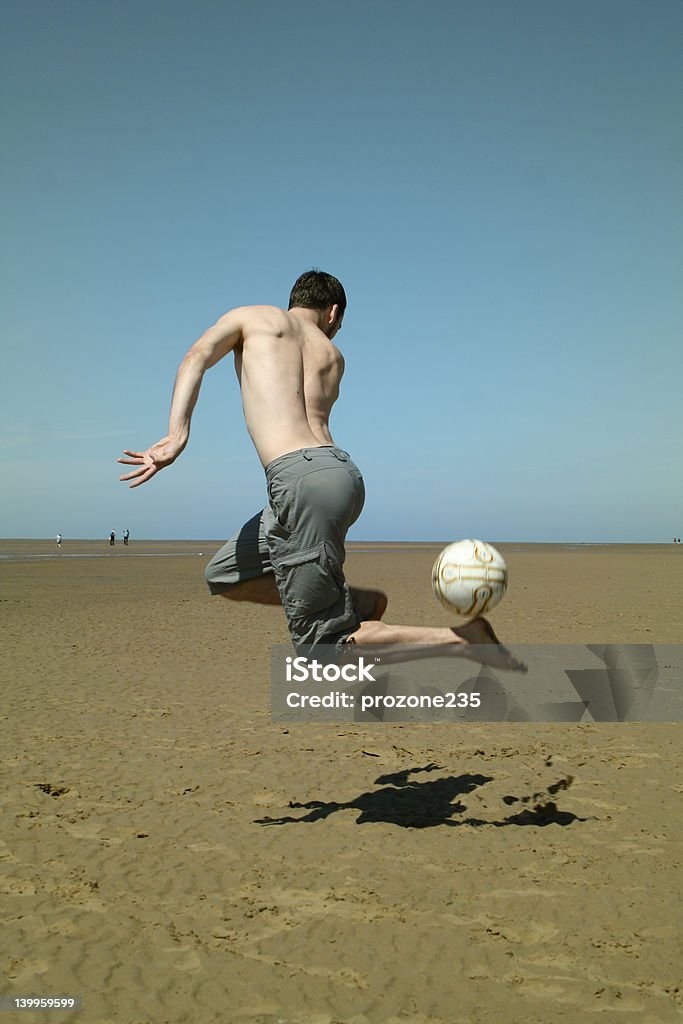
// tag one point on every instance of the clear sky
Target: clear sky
(497, 184)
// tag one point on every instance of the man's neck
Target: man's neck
(311, 316)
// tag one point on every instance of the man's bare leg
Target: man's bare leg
(475, 640)
(370, 604)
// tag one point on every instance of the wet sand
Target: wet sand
(170, 854)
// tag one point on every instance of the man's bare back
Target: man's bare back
(289, 373)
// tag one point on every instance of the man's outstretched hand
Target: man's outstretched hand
(149, 462)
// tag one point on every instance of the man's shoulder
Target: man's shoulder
(255, 319)
(249, 320)
(259, 312)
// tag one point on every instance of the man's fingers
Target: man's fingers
(143, 470)
(135, 458)
(142, 475)
(146, 466)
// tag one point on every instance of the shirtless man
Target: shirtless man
(293, 552)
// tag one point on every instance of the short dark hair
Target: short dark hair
(317, 290)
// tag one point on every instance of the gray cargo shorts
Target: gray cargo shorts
(315, 495)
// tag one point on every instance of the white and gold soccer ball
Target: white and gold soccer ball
(470, 577)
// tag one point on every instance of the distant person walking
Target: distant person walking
(58, 538)
(112, 538)
(126, 535)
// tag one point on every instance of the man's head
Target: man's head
(320, 291)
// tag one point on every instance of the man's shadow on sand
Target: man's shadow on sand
(411, 804)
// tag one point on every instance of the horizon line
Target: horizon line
(349, 543)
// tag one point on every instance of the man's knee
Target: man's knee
(216, 580)
(222, 580)
(261, 590)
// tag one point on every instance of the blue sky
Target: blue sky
(498, 186)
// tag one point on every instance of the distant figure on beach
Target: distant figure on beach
(112, 538)
(293, 551)
(126, 535)
(58, 538)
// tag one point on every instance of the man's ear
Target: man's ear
(334, 315)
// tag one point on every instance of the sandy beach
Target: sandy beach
(170, 854)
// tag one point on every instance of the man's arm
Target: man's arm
(213, 345)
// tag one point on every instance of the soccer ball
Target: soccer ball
(469, 577)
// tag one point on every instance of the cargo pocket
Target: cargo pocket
(306, 583)
(278, 496)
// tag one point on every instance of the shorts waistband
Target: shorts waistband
(307, 455)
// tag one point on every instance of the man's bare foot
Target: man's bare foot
(488, 649)
(474, 640)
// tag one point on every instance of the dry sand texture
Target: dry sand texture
(170, 854)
